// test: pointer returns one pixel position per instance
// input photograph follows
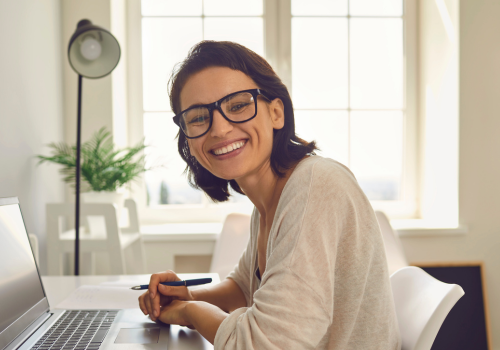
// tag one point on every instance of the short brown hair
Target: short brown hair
(288, 148)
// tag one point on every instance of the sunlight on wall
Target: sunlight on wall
(439, 105)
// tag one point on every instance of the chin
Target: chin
(229, 176)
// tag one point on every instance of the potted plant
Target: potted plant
(104, 168)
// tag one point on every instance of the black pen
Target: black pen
(187, 283)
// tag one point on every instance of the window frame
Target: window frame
(277, 50)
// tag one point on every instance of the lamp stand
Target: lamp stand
(77, 178)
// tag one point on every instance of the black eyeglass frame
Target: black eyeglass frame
(217, 105)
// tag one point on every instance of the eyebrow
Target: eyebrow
(196, 105)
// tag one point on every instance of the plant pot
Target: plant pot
(96, 223)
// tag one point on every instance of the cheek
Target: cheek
(195, 148)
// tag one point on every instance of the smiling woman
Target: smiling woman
(314, 274)
(232, 66)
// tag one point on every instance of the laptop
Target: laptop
(28, 323)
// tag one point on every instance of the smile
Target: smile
(229, 148)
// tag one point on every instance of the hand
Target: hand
(159, 295)
(175, 313)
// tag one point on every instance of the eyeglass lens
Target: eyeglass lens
(237, 108)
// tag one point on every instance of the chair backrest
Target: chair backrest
(106, 239)
(422, 303)
(394, 252)
(34, 246)
(232, 241)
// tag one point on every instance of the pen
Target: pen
(187, 283)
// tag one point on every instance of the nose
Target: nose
(220, 126)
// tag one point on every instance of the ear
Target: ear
(277, 111)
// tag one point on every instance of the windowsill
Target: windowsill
(423, 228)
(210, 231)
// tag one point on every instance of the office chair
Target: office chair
(232, 241)
(394, 252)
(422, 304)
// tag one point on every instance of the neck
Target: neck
(263, 188)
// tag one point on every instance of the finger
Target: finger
(155, 305)
(151, 310)
(156, 278)
(142, 304)
(181, 292)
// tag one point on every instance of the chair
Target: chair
(394, 252)
(231, 243)
(34, 247)
(422, 304)
(123, 245)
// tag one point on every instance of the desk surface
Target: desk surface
(58, 288)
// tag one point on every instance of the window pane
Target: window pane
(319, 62)
(165, 42)
(245, 31)
(377, 152)
(166, 185)
(319, 7)
(376, 7)
(376, 63)
(171, 7)
(330, 130)
(232, 7)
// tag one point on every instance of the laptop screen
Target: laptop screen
(20, 285)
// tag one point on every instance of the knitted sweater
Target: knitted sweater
(326, 283)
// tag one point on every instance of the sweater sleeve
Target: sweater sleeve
(286, 314)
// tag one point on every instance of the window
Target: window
(169, 30)
(348, 65)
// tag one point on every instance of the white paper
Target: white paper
(101, 297)
(123, 283)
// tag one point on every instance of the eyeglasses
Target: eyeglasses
(238, 107)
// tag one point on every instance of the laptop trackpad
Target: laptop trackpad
(138, 336)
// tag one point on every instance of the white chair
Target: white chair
(123, 246)
(34, 247)
(422, 304)
(394, 252)
(231, 243)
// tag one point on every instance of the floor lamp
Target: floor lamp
(93, 52)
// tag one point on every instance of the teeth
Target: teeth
(229, 148)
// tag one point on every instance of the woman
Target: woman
(314, 274)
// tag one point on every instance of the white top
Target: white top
(326, 284)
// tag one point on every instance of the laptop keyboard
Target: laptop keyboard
(78, 330)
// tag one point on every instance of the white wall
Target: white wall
(30, 106)
(479, 158)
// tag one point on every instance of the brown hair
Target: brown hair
(288, 148)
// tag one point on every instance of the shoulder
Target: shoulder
(321, 175)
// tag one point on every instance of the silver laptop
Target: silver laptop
(28, 323)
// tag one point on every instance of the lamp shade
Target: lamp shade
(93, 52)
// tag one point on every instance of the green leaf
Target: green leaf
(103, 167)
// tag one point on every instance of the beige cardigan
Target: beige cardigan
(326, 284)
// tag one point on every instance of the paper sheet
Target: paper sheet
(123, 283)
(101, 297)
(116, 294)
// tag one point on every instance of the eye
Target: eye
(198, 120)
(238, 106)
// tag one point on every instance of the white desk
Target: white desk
(58, 288)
